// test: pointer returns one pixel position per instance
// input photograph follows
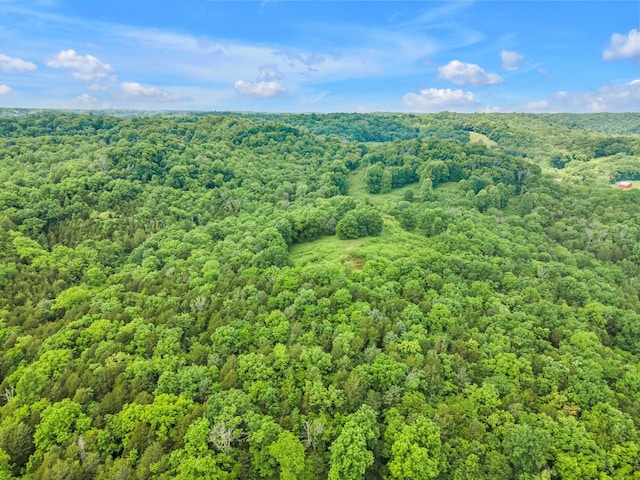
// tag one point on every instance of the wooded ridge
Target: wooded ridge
(229, 295)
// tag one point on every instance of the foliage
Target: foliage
(195, 295)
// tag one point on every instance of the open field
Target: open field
(475, 137)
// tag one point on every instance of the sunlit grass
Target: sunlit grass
(480, 138)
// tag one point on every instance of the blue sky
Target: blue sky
(329, 56)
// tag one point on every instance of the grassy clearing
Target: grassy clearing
(358, 190)
(357, 187)
(449, 193)
(480, 138)
(598, 171)
(327, 249)
(394, 240)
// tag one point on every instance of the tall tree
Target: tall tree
(351, 452)
(417, 452)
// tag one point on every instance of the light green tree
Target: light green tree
(351, 452)
(417, 452)
(289, 453)
(58, 423)
(527, 447)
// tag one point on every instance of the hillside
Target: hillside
(335, 296)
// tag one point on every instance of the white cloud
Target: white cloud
(146, 92)
(537, 106)
(623, 46)
(363, 109)
(5, 89)
(85, 67)
(96, 87)
(511, 60)
(467, 74)
(15, 65)
(87, 101)
(608, 98)
(260, 89)
(431, 99)
(85, 98)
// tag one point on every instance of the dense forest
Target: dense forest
(262, 296)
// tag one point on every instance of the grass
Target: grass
(598, 171)
(326, 249)
(358, 190)
(480, 138)
(394, 241)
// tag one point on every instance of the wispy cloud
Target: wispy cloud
(15, 65)
(225, 62)
(545, 73)
(269, 73)
(5, 89)
(82, 67)
(511, 60)
(164, 40)
(461, 74)
(434, 99)
(623, 46)
(294, 58)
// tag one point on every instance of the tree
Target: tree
(18, 443)
(311, 432)
(417, 452)
(351, 452)
(196, 460)
(5, 471)
(369, 222)
(347, 227)
(289, 453)
(527, 448)
(263, 432)
(426, 189)
(374, 178)
(360, 223)
(59, 422)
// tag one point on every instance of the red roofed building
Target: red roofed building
(625, 185)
